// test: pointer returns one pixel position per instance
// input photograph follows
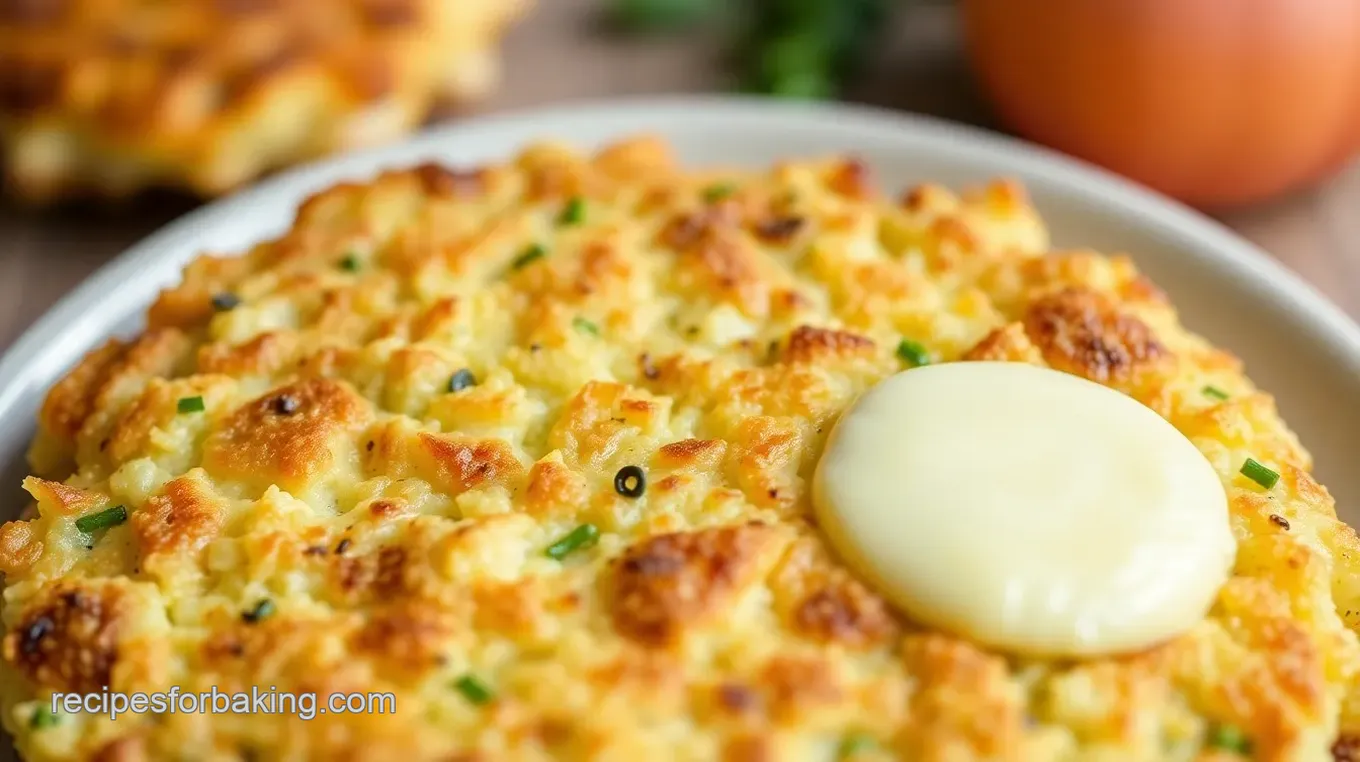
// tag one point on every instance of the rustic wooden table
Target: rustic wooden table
(563, 53)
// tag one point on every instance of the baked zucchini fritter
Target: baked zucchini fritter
(414, 424)
(112, 96)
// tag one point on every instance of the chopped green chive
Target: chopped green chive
(531, 253)
(350, 263)
(474, 690)
(225, 301)
(1213, 392)
(912, 353)
(1259, 474)
(261, 611)
(43, 717)
(580, 538)
(585, 326)
(190, 405)
(855, 743)
(461, 380)
(574, 213)
(1230, 738)
(109, 517)
(718, 192)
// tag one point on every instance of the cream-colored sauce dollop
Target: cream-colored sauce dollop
(1025, 508)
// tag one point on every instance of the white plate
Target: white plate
(1295, 344)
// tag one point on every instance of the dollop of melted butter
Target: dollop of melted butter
(1025, 508)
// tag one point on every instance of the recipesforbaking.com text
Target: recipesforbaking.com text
(255, 701)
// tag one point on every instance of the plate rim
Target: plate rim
(1207, 239)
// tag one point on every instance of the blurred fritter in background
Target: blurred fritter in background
(112, 96)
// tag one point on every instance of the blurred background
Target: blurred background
(118, 115)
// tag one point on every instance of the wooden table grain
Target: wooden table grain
(564, 53)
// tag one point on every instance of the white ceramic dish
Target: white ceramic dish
(1295, 344)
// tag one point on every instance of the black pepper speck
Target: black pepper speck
(630, 481)
(284, 404)
(33, 636)
(462, 380)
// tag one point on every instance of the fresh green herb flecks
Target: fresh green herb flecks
(43, 717)
(474, 690)
(1259, 474)
(1215, 393)
(190, 405)
(350, 263)
(580, 538)
(574, 213)
(854, 744)
(1230, 738)
(585, 326)
(109, 517)
(461, 380)
(912, 353)
(718, 191)
(532, 253)
(658, 15)
(808, 48)
(259, 612)
(788, 48)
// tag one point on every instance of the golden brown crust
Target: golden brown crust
(816, 345)
(451, 415)
(131, 748)
(691, 453)
(19, 547)
(1009, 343)
(98, 382)
(62, 499)
(405, 636)
(963, 704)
(190, 303)
(69, 402)
(461, 464)
(183, 518)
(823, 602)
(672, 582)
(285, 437)
(553, 488)
(68, 639)
(1080, 332)
(208, 94)
(264, 355)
